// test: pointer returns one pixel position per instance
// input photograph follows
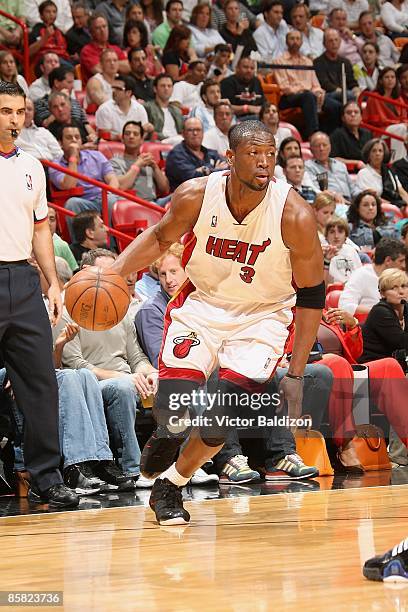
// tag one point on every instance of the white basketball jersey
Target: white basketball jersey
(241, 264)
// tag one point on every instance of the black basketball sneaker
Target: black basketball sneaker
(159, 453)
(166, 501)
(390, 567)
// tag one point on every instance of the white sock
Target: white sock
(172, 474)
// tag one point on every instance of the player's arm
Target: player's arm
(299, 233)
(178, 220)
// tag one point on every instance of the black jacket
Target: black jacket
(382, 333)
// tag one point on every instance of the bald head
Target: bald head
(247, 130)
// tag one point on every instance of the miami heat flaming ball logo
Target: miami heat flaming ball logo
(183, 344)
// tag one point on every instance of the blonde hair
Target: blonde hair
(322, 200)
(390, 277)
(176, 249)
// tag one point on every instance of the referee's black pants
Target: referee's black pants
(26, 346)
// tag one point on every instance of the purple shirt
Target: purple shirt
(91, 163)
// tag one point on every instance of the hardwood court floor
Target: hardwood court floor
(294, 551)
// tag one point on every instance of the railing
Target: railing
(381, 131)
(377, 96)
(105, 189)
(25, 56)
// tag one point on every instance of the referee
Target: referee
(25, 332)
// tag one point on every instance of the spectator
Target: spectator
(61, 79)
(143, 85)
(327, 173)
(11, 33)
(204, 37)
(394, 15)
(41, 87)
(61, 248)
(386, 328)
(361, 292)
(178, 53)
(135, 13)
(235, 31)
(64, 16)
(402, 74)
(89, 233)
(115, 13)
(124, 373)
(147, 286)
(368, 223)
(78, 35)
(91, 53)
(218, 17)
(112, 115)
(8, 71)
(389, 54)
(353, 10)
(62, 109)
(270, 37)
(37, 141)
(190, 159)
(45, 37)
(350, 45)
(367, 71)
(136, 170)
(323, 208)
(219, 69)
(384, 114)
(312, 38)
(377, 177)
(328, 68)
(269, 115)
(400, 169)
(289, 147)
(99, 86)
(135, 37)
(187, 92)
(342, 259)
(165, 116)
(174, 11)
(294, 171)
(301, 87)
(244, 90)
(210, 93)
(91, 164)
(153, 12)
(216, 138)
(404, 234)
(347, 142)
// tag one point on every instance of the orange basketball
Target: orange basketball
(97, 299)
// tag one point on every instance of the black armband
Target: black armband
(311, 297)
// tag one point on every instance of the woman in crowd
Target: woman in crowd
(9, 73)
(135, 12)
(153, 12)
(269, 115)
(323, 208)
(384, 114)
(368, 223)
(377, 177)
(402, 74)
(386, 328)
(341, 263)
(289, 147)
(177, 53)
(236, 29)
(135, 36)
(204, 37)
(367, 71)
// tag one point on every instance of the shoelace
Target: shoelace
(295, 459)
(240, 461)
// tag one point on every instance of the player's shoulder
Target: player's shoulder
(192, 189)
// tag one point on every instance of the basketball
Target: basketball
(97, 299)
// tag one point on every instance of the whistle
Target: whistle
(14, 133)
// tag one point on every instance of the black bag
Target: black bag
(390, 187)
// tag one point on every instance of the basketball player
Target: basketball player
(252, 236)
(25, 332)
(390, 567)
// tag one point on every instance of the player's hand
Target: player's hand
(54, 304)
(68, 333)
(142, 384)
(291, 396)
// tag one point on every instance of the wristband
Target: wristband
(245, 108)
(72, 159)
(293, 376)
(135, 167)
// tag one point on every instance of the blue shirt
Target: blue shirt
(182, 164)
(92, 164)
(337, 175)
(149, 322)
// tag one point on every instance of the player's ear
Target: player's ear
(229, 154)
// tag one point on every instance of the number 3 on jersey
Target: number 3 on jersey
(247, 274)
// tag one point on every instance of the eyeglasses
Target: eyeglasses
(194, 130)
(116, 88)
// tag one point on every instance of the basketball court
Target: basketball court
(258, 547)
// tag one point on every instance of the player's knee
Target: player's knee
(213, 442)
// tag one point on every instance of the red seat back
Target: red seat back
(332, 298)
(392, 212)
(156, 149)
(132, 218)
(110, 148)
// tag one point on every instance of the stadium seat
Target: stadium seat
(159, 151)
(60, 197)
(306, 153)
(392, 212)
(292, 128)
(317, 21)
(132, 218)
(334, 287)
(332, 298)
(400, 42)
(110, 148)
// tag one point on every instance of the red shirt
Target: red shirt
(381, 113)
(90, 56)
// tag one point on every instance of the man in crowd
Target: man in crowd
(294, 171)
(61, 248)
(361, 290)
(165, 116)
(218, 18)
(143, 86)
(190, 159)
(244, 90)
(216, 138)
(41, 87)
(136, 170)
(350, 45)
(89, 233)
(187, 91)
(61, 79)
(91, 53)
(210, 93)
(92, 164)
(78, 36)
(312, 38)
(270, 37)
(99, 86)
(327, 173)
(219, 68)
(115, 13)
(60, 107)
(389, 54)
(37, 141)
(112, 115)
(348, 141)
(174, 13)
